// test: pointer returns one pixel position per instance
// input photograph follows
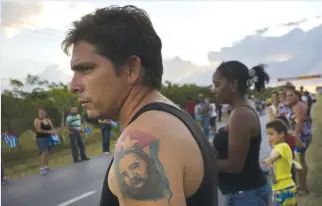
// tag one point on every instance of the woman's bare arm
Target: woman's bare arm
(239, 142)
(300, 115)
(270, 114)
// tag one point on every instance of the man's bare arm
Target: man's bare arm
(145, 173)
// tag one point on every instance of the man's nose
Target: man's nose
(75, 86)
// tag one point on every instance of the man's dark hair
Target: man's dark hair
(278, 125)
(119, 33)
(235, 70)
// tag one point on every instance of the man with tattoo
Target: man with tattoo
(162, 157)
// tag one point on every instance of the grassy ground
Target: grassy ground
(314, 158)
(18, 164)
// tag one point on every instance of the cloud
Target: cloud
(35, 15)
(262, 31)
(294, 23)
(293, 54)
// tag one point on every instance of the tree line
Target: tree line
(19, 107)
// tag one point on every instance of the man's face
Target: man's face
(133, 170)
(74, 110)
(96, 83)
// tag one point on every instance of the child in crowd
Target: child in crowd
(280, 160)
(291, 141)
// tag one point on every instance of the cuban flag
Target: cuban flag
(87, 130)
(54, 140)
(10, 139)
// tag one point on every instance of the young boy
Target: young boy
(291, 141)
(280, 160)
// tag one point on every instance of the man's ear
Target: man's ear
(132, 69)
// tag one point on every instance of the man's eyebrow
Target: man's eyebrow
(80, 65)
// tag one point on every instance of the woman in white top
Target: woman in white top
(273, 109)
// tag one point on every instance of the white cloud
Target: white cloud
(37, 15)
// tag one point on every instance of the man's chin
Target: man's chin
(91, 114)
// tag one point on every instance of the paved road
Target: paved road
(78, 184)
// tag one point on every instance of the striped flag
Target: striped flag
(54, 140)
(87, 130)
(10, 139)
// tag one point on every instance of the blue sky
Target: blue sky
(31, 32)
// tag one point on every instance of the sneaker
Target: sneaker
(43, 171)
(107, 153)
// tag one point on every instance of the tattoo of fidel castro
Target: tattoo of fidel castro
(139, 175)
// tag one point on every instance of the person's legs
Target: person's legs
(302, 174)
(73, 144)
(106, 139)
(205, 125)
(46, 154)
(4, 179)
(2, 170)
(293, 172)
(219, 114)
(81, 146)
(254, 197)
(213, 125)
(43, 149)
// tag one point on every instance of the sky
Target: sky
(191, 32)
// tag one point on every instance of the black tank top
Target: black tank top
(207, 194)
(251, 176)
(46, 127)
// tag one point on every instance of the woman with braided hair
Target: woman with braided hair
(240, 176)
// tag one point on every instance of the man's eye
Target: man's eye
(87, 70)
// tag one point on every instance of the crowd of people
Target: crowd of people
(163, 156)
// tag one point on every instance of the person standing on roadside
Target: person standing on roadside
(44, 130)
(73, 122)
(273, 108)
(106, 128)
(301, 123)
(213, 117)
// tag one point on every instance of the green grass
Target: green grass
(314, 158)
(26, 161)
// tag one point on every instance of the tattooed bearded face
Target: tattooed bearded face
(139, 176)
(133, 170)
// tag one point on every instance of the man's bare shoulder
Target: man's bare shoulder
(164, 125)
(145, 169)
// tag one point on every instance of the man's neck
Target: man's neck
(138, 97)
